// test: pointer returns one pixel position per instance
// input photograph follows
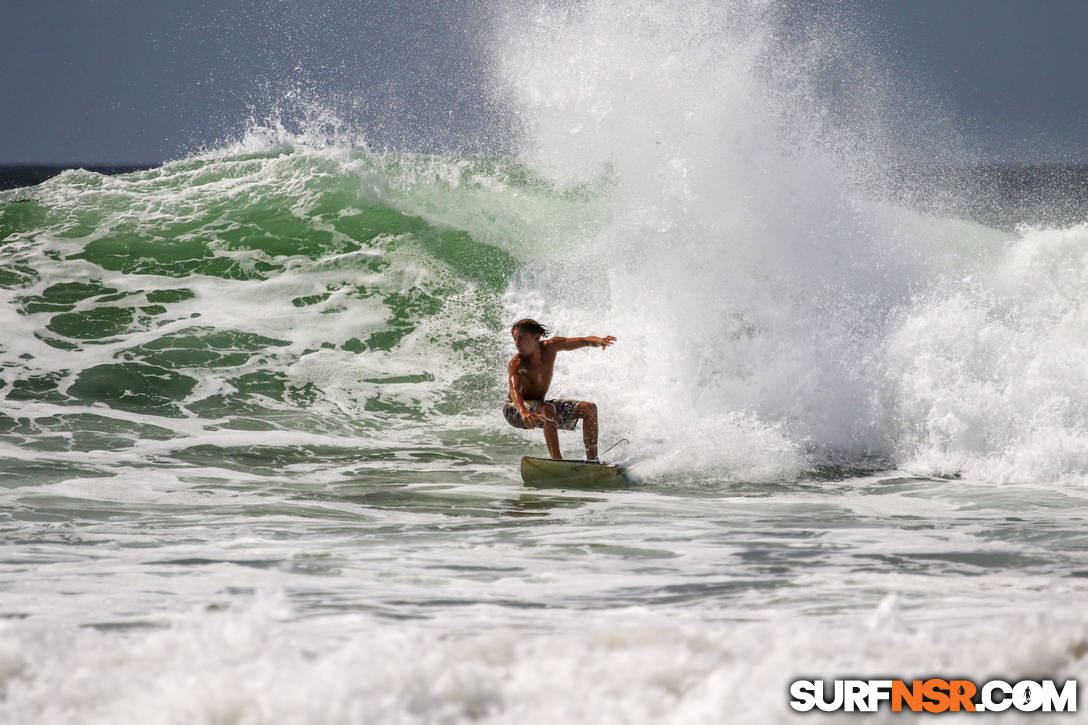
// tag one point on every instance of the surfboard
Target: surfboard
(564, 473)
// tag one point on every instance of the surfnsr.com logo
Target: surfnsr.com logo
(934, 695)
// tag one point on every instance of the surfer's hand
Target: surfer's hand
(532, 420)
(603, 342)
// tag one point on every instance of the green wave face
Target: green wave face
(282, 290)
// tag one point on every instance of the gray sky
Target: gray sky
(147, 80)
(1013, 73)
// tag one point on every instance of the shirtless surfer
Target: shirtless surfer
(530, 374)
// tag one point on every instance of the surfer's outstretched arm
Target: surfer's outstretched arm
(577, 343)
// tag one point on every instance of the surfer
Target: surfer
(530, 374)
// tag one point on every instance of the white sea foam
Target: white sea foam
(990, 377)
(634, 666)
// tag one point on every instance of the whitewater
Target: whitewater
(253, 467)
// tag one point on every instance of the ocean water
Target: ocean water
(253, 470)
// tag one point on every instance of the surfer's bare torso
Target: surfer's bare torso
(533, 373)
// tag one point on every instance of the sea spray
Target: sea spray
(741, 274)
(766, 298)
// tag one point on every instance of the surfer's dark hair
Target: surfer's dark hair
(529, 325)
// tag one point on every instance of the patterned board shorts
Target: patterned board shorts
(566, 412)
